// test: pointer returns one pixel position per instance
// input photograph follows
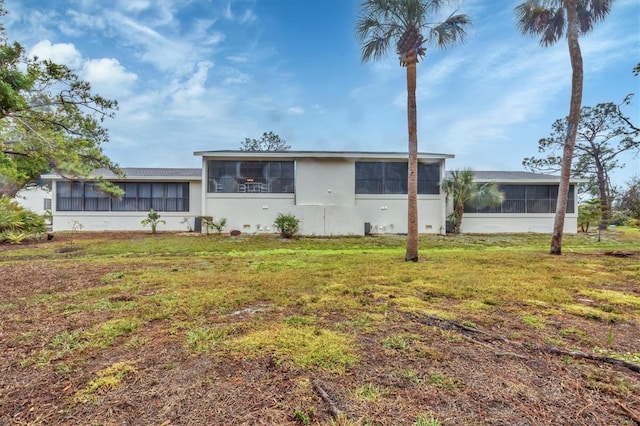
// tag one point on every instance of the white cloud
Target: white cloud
(238, 78)
(248, 17)
(93, 22)
(136, 5)
(228, 14)
(61, 53)
(108, 75)
(319, 109)
(188, 96)
(295, 110)
(239, 59)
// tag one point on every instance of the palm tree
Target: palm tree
(405, 23)
(546, 18)
(461, 188)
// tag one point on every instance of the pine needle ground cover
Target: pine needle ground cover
(177, 329)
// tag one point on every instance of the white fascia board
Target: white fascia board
(299, 155)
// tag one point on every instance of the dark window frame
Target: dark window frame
(251, 176)
(528, 199)
(391, 177)
(84, 196)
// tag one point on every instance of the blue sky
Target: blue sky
(193, 75)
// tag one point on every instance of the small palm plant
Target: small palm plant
(462, 189)
(153, 219)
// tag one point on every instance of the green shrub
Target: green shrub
(153, 219)
(219, 224)
(287, 224)
(618, 218)
(210, 223)
(207, 223)
(633, 223)
(589, 214)
(18, 223)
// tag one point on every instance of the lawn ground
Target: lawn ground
(184, 329)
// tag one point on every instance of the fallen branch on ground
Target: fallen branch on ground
(617, 253)
(635, 417)
(335, 412)
(445, 324)
(606, 359)
(470, 333)
(493, 348)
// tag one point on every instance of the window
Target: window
(70, 195)
(94, 199)
(250, 176)
(527, 199)
(428, 178)
(138, 196)
(391, 178)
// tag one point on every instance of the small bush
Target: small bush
(287, 224)
(633, 223)
(18, 223)
(210, 223)
(219, 224)
(153, 219)
(618, 218)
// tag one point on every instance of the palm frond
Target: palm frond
(591, 12)
(451, 31)
(383, 22)
(487, 195)
(547, 18)
(375, 48)
(537, 18)
(460, 186)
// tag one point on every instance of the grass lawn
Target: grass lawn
(185, 329)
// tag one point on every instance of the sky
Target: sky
(199, 75)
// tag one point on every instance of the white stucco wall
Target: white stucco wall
(248, 213)
(326, 204)
(33, 199)
(388, 214)
(476, 223)
(129, 220)
(325, 182)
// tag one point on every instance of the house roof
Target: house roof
(318, 154)
(132, 172)
(137, 173)
(515, 176)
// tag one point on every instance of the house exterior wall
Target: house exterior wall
(326, 204)
(325, 182)
(126, 220)
(324, 197)
(34, 199)
(491, 223)
(248, 213)
(477, 223)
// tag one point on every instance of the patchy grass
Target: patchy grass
(369, 392)
(301, 346)
(107, 380)
(247, 323)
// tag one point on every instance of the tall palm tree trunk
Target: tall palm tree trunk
(573, 121)
(412, 184)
